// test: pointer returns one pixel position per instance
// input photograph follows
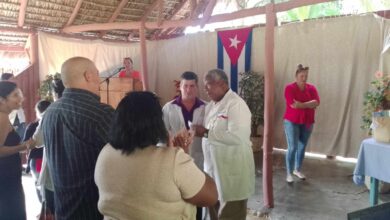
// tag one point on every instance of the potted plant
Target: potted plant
(377, 98)
(45, 89)
(252, 91)
(376, 102)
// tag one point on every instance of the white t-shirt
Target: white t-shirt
(147, 184)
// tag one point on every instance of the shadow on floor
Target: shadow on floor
(327, 193)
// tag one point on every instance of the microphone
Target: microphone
(113, 74)
(120, 69)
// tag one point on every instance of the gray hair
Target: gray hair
(217, 75)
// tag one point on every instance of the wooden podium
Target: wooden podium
(117, 89)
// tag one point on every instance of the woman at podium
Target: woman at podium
(129, 72)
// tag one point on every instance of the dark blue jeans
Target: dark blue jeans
(297, 136)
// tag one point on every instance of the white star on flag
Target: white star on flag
(234, 42)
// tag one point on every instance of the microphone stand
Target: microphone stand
(107, 80)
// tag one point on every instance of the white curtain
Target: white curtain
(54, 50)
(342, 53)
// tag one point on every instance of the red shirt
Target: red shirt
(134, 74)
(302, 115)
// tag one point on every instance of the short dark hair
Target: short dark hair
(6, 76)
(6, 88)
(42, 105)
(217, 75)
(188, 75)
(137, 123)
(58, 87)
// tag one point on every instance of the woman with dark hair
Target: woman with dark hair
(12, 205)
(138, 180)
(301, 101)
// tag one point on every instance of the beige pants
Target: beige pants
(232, 210)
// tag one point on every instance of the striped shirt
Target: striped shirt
(75, 129)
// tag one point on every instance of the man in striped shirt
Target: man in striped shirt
(75, 129)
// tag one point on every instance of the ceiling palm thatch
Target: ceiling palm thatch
(18, 18)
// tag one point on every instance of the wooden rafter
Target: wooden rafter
(144, 65)
(150, 9)
(115, 15)
(183, 23)
(16, 30)
(11, 48)
(74, 13)
(207, 12)
(285, 6)
(160, 12)
(166, 24)
(22, 12)
(193, 6)
(174, 13)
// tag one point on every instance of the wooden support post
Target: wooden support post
(268, 106)
(144, 63)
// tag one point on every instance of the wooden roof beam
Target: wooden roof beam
(207, 12)
(16, 30)
(22, 12)
(117, 11)
(174, 13)
(193, 6)
(74, 13)
(167, 24)
(183, 23)
(285, 6)
(160, 12)
(150, 9)
(11, 48)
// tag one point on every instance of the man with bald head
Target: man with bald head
(75, 129)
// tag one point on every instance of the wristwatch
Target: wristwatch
(206, 133)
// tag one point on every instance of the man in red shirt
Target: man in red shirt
(301, 101)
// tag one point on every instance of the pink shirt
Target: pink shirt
(134, 74)
(303, 115)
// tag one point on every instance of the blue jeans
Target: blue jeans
(297, 136)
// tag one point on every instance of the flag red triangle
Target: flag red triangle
(233, 41)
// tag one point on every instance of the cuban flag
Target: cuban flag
(234, 53)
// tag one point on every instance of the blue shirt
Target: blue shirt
(75, 129)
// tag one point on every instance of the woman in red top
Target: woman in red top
(301, 101)
(129, 71)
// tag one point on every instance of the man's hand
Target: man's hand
(199, 130)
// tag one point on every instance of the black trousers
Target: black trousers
(12, 204)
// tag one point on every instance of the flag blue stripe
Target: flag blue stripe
(248, 51)
(220, 54)
(234, 77)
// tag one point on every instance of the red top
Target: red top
(134, 74)
(302, 115)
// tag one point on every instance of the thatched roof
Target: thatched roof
(54, 15)
(118, 20)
